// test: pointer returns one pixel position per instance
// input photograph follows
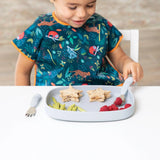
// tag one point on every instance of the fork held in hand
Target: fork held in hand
(34, 103)
(125, 87)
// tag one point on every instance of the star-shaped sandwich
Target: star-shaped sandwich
(98, 94)
(70, 94)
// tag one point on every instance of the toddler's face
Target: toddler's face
(74, 12)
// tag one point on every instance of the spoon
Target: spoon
(121, 99)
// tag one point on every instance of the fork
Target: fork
(125, 87)
(34, 103)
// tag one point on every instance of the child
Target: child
(69, 46)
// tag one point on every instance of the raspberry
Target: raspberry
(110, 108)
(114, 107)
(118, 101)
(127, 105)
(104, 108)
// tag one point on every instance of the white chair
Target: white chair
(132, 36)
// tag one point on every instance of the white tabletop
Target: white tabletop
(44, 138)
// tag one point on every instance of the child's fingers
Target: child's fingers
(135, 69)
(132, 71)
(139, 73)
(134, 74)
(125, 74)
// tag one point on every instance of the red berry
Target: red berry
(114, 107)
(104, 108)
(118, 101)
(110, 108)
(127, 105)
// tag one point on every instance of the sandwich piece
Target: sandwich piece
(70, 94)
(98, 95)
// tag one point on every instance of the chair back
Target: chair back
(132, 36)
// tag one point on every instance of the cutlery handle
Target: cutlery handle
(35, 100)
(126, 85)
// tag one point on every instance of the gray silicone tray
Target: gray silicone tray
(92, 108)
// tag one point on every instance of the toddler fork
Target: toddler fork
(34, 103)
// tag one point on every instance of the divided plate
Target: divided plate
(92, 113)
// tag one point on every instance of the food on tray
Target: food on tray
(70, 94)
(70, 108)
(81, 109)
(98, 94)
(60, 106)
(113, 107)
(118, 101)
(73, 107)
(104, 108)
(127, 105)
(57, 105)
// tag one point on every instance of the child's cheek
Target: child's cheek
(66, 14)
(92, 11)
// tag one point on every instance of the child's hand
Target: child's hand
(133, 68)
(126, 65)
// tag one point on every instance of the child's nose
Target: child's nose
(81, 13)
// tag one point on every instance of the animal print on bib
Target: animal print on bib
(65, 55)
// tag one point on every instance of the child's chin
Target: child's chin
(77, 26)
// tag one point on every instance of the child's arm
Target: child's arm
(23, 71)
(125, 64)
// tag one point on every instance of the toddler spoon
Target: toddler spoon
(125, 87)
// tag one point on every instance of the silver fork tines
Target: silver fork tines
(34, 103)
(31, 112)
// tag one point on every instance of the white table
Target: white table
(43, 138)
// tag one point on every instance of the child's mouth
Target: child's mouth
(79, 22)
